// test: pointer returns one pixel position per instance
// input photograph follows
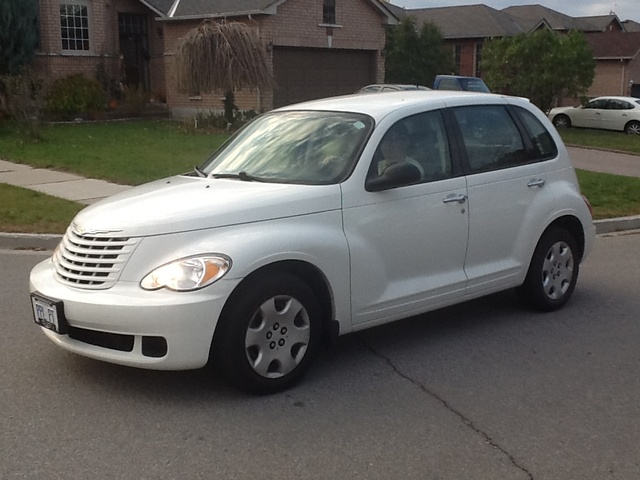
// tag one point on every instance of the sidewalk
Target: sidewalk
(88, 191)
(58, 184)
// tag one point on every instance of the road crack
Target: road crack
(466, 421)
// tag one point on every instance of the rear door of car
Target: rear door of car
(507, 188)
(408, 244)
(616, 116)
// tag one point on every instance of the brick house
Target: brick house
(316, 47)
(466, 28)
(618, 58)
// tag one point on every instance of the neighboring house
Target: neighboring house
(631, 26)
(316, 47)
(618, 63)
(533, 17)
(466, 28)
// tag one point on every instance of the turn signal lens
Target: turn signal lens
(187, 274)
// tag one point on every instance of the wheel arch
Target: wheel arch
(574, 227)
(307, 273)
(630, 122)
(562, 115)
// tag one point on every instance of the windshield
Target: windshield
(305, 147)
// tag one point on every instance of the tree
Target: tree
(18, 34)
(415, 56)
(221, 56)
(541, 66)
(19, 90)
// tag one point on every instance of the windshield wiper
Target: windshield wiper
(199, 172)
(244, 176)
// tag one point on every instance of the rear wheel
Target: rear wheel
(268, 336)
(561, 121)
(632, 128)
(553, 271)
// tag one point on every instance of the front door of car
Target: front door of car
(591, 115)
(408, 244)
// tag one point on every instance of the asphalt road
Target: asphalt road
(485, 390)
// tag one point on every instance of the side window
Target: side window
(419, 140)
(491, 138)
(599, 104)
(544, 147)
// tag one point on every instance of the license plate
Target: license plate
(48, 313)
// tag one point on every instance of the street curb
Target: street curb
(28, 241)
(620, 224)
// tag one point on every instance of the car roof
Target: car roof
(399, 86)
(457, 76)
(616, 97)
(380, 105)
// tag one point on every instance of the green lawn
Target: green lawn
(134, 152)
(610, 195)
(27, 211)
(131, 152)
(601, 139)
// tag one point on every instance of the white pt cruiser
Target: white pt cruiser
(316, 220)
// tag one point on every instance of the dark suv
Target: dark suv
(456, 82)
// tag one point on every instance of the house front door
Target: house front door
(134, 50)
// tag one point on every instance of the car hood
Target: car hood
(562, 110)
(183, 203)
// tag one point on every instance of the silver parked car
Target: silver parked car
(317, 220)
(606, 113)
(390, 87)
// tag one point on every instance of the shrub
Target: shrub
(20, 101)
(75, 94)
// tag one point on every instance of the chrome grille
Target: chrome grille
(92, 261)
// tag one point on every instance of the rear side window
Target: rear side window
(449, 84)
(543, 145)
(491, 138)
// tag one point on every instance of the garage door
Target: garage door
(308, 73)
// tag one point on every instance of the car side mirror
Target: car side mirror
(397, 175)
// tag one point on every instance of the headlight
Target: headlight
(187, 274)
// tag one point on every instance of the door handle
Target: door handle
(538, 182)
(455, 198)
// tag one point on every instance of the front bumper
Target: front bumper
(185, 320)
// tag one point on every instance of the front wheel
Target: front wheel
(269, 333)
(632, 128)
(553, 271)
(561, 121)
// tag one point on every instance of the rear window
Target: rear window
(544, 147)
(474, 85)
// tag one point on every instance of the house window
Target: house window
(457, 55)
(478, 63)
(329, 12)
(74, 25)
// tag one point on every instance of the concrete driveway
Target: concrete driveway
(605, 161)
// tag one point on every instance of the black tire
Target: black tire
(553, 271)
(632, 128)
(561, 121)
(268, 334)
